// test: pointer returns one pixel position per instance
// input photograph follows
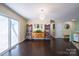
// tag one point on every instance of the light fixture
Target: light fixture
(42, 10)
(42, 14)
(42, 17)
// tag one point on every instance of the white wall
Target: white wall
(38, 21)
(4, 10)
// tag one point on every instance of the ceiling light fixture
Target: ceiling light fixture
(42, 14)
(42, 17)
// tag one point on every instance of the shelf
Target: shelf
(47, 31)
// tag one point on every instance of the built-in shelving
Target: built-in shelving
(28, 31)
(47, 31)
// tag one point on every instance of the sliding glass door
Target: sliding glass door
(14, 32)
(3, 33)
(8, 33)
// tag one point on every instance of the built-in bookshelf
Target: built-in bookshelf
(29, 31)
(52, 28)
(47, 31)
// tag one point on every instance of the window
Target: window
(8, 33)
(3, 33)
(14, 32)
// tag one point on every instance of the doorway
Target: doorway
(59, 30)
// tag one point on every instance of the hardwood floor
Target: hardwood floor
(54, 47)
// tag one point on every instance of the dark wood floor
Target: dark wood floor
(54, 47)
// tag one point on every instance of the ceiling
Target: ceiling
(61, 11)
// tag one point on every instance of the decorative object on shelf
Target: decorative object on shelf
(37, 25)
(67, 26)
(37, 31)
(53, 26)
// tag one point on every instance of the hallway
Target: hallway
(54, 47)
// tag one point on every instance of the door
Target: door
(8, 33)
(59, 30)
(14, 32)
(3, 33)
